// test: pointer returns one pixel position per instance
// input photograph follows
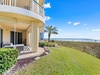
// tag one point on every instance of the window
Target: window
(41, 36)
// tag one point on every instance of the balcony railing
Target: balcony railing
(31, 5)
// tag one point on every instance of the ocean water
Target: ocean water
(75, 39)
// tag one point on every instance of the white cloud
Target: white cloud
(60, 30)
(84, 24)
(76, 23)
(69, 22)
(47, 18)
(95, 30)
(47, 5)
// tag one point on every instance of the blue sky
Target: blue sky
(74, 18)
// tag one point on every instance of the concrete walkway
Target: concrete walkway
(29, 54)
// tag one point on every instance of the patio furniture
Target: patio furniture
(7, 45)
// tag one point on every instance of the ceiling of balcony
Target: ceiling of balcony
(18, 26)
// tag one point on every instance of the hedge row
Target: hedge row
(88, 47)
(49, 44)
(8, 58)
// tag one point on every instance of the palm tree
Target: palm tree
(51, 30)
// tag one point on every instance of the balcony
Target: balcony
(30, 5)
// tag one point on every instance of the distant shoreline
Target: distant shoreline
(74, 39)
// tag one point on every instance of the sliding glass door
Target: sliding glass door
(15, 37)
(1, 37)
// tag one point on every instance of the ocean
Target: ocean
(75, 39)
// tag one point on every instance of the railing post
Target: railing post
(38, 7)
(14, 2)
(3, 2)
(43, 12)
(32, 6)
(10, 2)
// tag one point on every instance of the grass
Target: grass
(64, 61)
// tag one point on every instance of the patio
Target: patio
(29, 54)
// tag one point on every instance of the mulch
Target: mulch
(22, 63)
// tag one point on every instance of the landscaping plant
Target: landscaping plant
(8, 58)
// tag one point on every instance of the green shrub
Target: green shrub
(41, 44)
(48, 44)
(8, 58)
(52, 41)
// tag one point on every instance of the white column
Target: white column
(35, 37)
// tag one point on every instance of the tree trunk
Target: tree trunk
(49, 37)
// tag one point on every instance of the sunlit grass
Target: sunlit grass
(64, 61)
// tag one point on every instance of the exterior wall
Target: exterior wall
(41, 29)
(6, 34)
(16, 13)
(21, 14)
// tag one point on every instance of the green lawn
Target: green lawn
(64, 61)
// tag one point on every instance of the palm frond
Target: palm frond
(54, 32)
(45, 31)
(51, 30)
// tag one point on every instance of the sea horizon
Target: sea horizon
(75, 39)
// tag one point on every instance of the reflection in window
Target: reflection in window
(41, 36)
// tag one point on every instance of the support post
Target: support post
(35, 40)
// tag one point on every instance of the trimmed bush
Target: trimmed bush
(41, 44)
(52, 41)
(48, 44)
(8, 57)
